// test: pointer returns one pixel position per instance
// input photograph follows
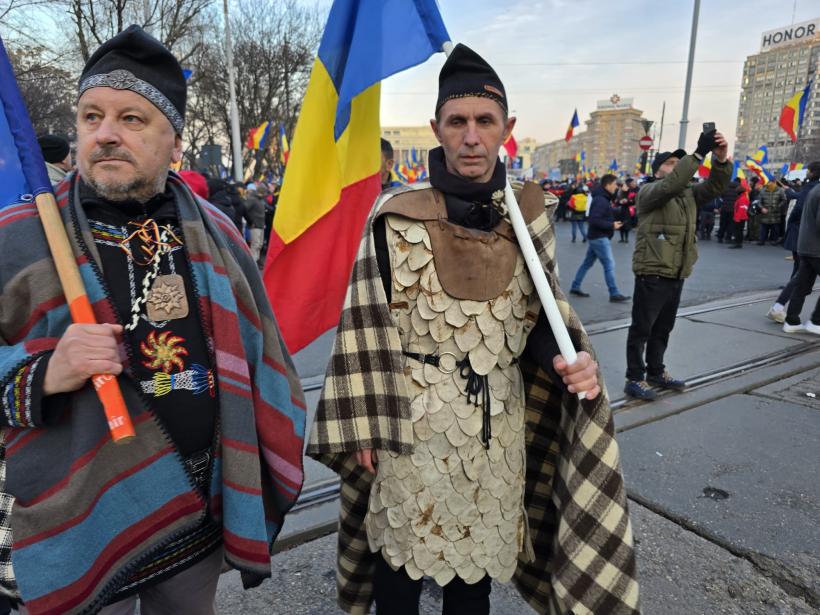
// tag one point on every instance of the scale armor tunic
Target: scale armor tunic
(454, 507)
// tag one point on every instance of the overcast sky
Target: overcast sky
(556, 55)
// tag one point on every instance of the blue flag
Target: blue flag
(23, 173)
(379, 25)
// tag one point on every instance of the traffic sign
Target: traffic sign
(645, 143)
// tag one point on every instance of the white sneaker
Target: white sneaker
(787, 328)
(776, 315)
(812, 328)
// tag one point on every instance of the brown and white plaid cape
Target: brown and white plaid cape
(575, 496)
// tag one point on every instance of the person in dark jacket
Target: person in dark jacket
(626, 208)
(218, 189)
(808, 247)
(707, 218)
(727, 211)
(777, 312)
(665, 254)
(602, 226)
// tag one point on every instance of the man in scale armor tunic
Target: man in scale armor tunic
(443, 367)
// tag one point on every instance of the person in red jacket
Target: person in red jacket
(741, 214)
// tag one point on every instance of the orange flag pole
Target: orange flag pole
(108, 389)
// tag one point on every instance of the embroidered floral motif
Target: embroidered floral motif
(163, 351)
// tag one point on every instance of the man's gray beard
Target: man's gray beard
(139, 189)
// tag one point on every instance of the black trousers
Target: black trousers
(788, 289)
(739, 232)
(727, 225)
(803, 283)
(654, 308)
(396, 593)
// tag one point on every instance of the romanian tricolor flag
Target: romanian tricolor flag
(258, 137)
(761, 156)
(573, 124)
(758, 170)
(705, 167)
(284, 148)
(791, 117)
(320, 216)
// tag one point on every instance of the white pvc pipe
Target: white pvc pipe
(539, 278)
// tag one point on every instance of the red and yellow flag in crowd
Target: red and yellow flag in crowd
(332, 176)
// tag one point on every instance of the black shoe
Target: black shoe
(573, 240)
(618, 298)
(584, 240)
(760, 243)
(578, 292)
(720, 239)
(736, 246)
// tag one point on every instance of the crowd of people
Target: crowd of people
(737, 211)
(250, 206)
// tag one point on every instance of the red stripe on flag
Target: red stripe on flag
(306, 280)
(787, 117)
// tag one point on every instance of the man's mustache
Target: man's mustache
(111, 152)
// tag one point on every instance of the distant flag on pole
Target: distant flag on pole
(573, 124)
(795, 166)
(511, 146)
(791, 117)
(284, 148)
(613, 166)
(319, 218)
(761, 156)
(784, 170)
(758, 170)
(187, 72)
(260, 137)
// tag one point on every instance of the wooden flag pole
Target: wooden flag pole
(108, 389)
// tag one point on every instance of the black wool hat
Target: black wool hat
(54, 147)
(465, 73)
(134, 60)
(661, 158)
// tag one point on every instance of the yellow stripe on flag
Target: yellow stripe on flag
(319, 167)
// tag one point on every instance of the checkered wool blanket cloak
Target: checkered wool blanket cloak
(87, 512)
(575, 495)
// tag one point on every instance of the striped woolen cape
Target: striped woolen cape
(575, 496)
(87, 512)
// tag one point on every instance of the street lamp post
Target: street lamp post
(684, 118)
(236, 141)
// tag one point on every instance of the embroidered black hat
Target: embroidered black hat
(465, 73)
(134, 60)
(54, 147)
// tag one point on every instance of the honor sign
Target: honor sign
(789, 34)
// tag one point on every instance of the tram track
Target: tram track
(324, 492)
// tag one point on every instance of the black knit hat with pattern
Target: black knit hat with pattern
(465, 73)
(134, 60)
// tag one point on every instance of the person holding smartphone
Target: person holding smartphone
(665, 253)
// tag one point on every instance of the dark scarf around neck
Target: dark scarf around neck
(469, 204)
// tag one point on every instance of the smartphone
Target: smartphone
(708, 126)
